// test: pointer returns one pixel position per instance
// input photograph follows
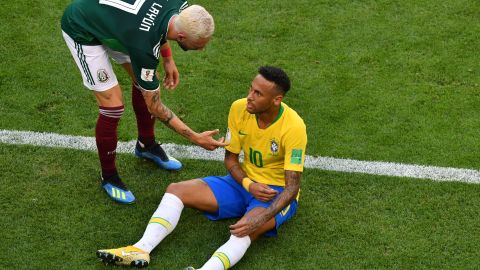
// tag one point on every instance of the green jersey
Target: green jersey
(134, 27)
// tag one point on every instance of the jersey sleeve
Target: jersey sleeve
(233, 129)
(145, 70)
(295, 141)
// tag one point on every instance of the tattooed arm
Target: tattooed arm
(167, 117)
(248, 224)
(233, 166)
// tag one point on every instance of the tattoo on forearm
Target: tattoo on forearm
(292, 186)
(163, 113)
(235, 170)
(169, 115)
(187, 132)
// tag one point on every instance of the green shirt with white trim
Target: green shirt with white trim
(134, 27)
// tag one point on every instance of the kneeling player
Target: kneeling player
(263, 191)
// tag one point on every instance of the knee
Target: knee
(175, 189)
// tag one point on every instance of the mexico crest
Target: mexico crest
(102, 75)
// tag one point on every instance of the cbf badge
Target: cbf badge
(274, 147)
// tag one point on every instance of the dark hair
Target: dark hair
(276, 75)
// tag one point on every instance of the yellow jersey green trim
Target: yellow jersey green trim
(280, 112)
(279, 115)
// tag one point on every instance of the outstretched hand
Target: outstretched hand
(206, 140)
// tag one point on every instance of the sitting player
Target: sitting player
(263, 191)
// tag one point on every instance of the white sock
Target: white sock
(229, 254)
(163, 221)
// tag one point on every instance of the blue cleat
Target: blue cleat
(117, 191)
(156, 154)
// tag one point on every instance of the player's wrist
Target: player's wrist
(167, 52)
(194, 137)
(246, 182)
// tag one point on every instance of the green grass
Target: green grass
(54, 215)
(373, 80)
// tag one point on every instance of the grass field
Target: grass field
(374, 80)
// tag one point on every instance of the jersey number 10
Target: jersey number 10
(256, 158)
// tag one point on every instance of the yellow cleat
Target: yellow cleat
(129, 255)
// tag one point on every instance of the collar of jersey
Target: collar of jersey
(280, 112)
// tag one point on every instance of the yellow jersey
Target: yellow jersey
(267, 152)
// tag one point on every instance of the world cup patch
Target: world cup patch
(228, 136)
(296, 157)
(102, 75)
(147, 74)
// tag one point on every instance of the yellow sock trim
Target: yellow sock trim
(223, 258)
(162, 222)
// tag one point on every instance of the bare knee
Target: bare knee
(110, 98)
(194, 194)
(174, 188)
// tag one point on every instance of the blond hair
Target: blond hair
(195, 22)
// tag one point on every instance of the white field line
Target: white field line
(195, 152)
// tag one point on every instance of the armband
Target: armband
(246, 182)
(166, 52)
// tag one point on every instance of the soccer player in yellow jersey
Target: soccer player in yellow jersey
(262, 191)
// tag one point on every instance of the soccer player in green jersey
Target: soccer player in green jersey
(134, 33)
(262, 191)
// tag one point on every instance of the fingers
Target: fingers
(171, 80)
(176, 79)
(209, 143)
(213, 132)
(169, 83)
(267, 190)
(270, 191)
(221, 143)
(234, 226)
(239, 229)
(166, 82)
(264, 193)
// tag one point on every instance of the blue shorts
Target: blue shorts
(234, 201)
